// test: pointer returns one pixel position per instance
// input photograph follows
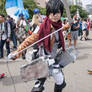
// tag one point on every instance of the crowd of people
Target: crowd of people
(16, 31)
(79, 29)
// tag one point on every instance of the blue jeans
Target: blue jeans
(13, 38)
(2, 42)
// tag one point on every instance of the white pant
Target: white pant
(58, 77)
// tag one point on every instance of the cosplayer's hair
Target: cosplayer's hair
(35, 20)
(54, 6)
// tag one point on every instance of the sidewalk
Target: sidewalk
(76, 75)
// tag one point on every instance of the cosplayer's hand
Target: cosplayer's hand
(13, 55)
(67, 26)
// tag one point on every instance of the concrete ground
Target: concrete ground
(76, 75)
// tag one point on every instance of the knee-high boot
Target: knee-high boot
(59, 88)
(40, 88)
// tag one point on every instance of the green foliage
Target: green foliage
(2, 5)
(73, 9)
(30, 5)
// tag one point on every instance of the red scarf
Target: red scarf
(45, 30)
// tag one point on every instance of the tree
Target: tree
(2, 7)
(28, 4)
(73, 10)
(83, 13)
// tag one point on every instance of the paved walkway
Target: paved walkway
(77, 77)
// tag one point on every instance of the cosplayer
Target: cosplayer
(52, 22)
(21, 33)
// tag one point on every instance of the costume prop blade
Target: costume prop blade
(12, 55)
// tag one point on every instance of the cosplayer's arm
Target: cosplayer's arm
(65, 27)
(28, 41)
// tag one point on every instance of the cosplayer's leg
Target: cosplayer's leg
(60, 82)
(39, 85)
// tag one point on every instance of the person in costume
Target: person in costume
(50, 45)
(21, 31)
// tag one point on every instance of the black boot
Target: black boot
(59, 88)
(40, 88)
(37, 89)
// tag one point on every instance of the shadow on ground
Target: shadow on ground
(83, 57)
(85, 47)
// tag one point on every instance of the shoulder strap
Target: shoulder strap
(6, 25)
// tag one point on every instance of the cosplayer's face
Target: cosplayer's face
(55, 17)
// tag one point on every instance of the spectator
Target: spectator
(35, 23)
(80, 28)
(88, 28)
(74, 32)
(21, 32)
(84, 29)
(13, 27)
(5, 32)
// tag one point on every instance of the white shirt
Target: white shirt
(22, 22)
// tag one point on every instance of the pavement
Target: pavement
(76, 74)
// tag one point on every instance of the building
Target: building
(89, 8)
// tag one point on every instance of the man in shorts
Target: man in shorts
(74, 31)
